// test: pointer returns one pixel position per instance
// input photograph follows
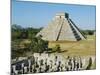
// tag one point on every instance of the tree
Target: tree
(32, 31)
(16, 31)
(18, 37)
(38, 45)
(88, 32)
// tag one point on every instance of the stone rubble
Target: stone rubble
(41, 63)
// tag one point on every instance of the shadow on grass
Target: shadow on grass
(51, 51)
(63, 51)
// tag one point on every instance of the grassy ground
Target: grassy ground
(81, 48)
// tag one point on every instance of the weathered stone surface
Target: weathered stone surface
(61, 28)
(52, 63)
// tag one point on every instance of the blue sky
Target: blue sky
(34, 14)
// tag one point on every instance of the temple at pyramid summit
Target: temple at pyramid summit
(61, 28)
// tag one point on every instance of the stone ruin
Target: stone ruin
(44, 63)
(61, 28)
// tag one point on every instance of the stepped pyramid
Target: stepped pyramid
(61, 28)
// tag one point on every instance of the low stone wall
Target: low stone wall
(41, 63)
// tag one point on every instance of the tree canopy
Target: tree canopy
(24, 40)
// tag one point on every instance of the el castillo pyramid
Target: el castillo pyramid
(61, 28)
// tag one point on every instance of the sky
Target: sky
(37, 14)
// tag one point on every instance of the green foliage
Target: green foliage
(57, 48)
(18, 34)
(16, 50)
(88, 32)
(38, 45)
(15, 44)
(18, 37)
(32, 31)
